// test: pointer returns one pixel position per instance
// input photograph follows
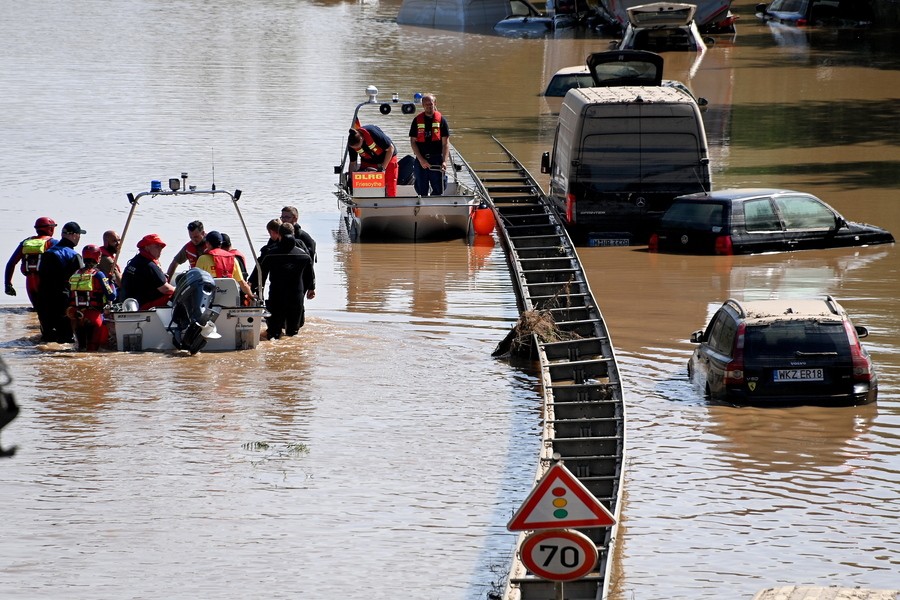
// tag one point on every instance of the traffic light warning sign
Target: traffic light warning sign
(558, 501)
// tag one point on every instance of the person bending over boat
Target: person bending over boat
(143, 278)
(89, 291)
(291, 279)
(191, 251)
(376, 152)
(222, 263)
(290, 214)
(429, 136)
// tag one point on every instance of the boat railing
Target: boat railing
(179, 187)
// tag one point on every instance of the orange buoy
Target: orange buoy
(483, 221)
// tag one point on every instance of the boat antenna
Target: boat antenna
(213, 151)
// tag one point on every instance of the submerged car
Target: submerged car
(767, 352)
(524, 19)
(662, 26)
(613, 68)
(798, 13)
(751, 220)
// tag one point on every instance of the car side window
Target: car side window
(718, 336)
(802, 212)
(759, 215)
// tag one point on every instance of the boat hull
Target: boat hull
(239, 327)
(410, 218)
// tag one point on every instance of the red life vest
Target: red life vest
(88, 291)
(370, 151)
(32, 250)
(223, 262)
(194, 252)
(435, 127)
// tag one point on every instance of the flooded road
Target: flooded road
(381, 452)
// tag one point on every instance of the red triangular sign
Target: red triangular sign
(558, 501)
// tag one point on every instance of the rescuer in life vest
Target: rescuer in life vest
(429, 136)
(89, 291)
(222, 263)
(30, 251)
(376, 152)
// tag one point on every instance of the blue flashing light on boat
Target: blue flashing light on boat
(417, 98)
(156, 186)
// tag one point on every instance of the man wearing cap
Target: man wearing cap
(30, 251)
(221, 263)
(143, 278)
(57, 265)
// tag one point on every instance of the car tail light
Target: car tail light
(801, 22)
(862, 364)
(734, 370)
(570, 208)
(724, 246)
(653, 244)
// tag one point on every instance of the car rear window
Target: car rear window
(791, 339)
(696, 215)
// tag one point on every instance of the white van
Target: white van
(620, 157)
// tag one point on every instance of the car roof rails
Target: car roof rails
(832, 304)
(737, 306)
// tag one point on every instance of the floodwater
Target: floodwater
(380, 453)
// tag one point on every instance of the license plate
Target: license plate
(799, 375)
(595, 242)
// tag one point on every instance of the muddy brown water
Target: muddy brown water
(380, 453)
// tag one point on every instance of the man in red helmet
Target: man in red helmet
(143, 279)
(89, 291)
(30, 251)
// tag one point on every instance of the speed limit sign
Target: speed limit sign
(559, 554)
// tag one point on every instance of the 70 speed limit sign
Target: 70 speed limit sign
(559, 554)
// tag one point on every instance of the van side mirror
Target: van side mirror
(701, 101)
(761, 8)
(697, 336)
(545, 162)
(861, 331)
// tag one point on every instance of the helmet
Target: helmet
(44, 223)
(91, 252)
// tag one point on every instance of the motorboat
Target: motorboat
(205, 313)
(369, 214)
(711, 16)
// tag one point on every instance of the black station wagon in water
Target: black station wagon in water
(776, 352)
(747, 221)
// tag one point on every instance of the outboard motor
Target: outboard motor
(193, 315)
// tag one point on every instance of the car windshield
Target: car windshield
(560, 84)
(798, 6)
(796, 338)
(699, 215)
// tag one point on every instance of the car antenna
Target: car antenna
(213, 151)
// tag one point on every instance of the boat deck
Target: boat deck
(583, 409)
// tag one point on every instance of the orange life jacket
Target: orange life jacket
(435, 127)
(370, 151)
(193, 253)
(223, 261)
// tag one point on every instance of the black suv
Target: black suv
(780, 352)
(750, 220)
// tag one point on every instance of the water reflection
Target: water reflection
(791, 439)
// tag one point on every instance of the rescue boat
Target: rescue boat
(367, 211)
(205, 313)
